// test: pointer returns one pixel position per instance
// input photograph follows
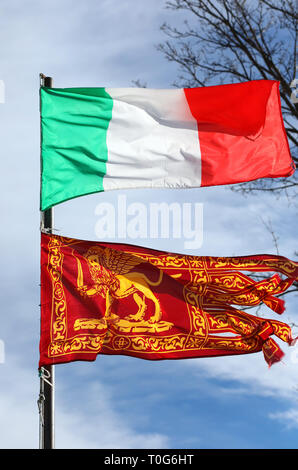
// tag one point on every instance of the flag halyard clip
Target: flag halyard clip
(45, 376)
(47, 230)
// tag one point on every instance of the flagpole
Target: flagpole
(46, 373)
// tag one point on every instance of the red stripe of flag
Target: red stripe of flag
(241, 132)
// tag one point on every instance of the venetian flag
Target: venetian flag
(104, 298)
(99, 139)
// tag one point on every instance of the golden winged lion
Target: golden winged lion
(113, 278)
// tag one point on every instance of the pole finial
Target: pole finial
(45, 80)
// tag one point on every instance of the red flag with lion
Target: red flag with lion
(107, 298)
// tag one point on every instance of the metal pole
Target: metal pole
(46, 373)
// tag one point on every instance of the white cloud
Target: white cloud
(76, 428)
(250, 376)
(280, 380)
(289, 418)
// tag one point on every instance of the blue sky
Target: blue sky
(120, 402)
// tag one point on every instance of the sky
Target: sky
(122, 402)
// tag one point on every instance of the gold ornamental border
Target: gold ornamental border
(258, 262)
(216, 263)
(179, 343)
(59, 304)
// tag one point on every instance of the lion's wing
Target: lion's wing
(119, 262)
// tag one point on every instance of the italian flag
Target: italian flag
(99, 139)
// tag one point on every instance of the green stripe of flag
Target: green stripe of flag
(74, 123)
